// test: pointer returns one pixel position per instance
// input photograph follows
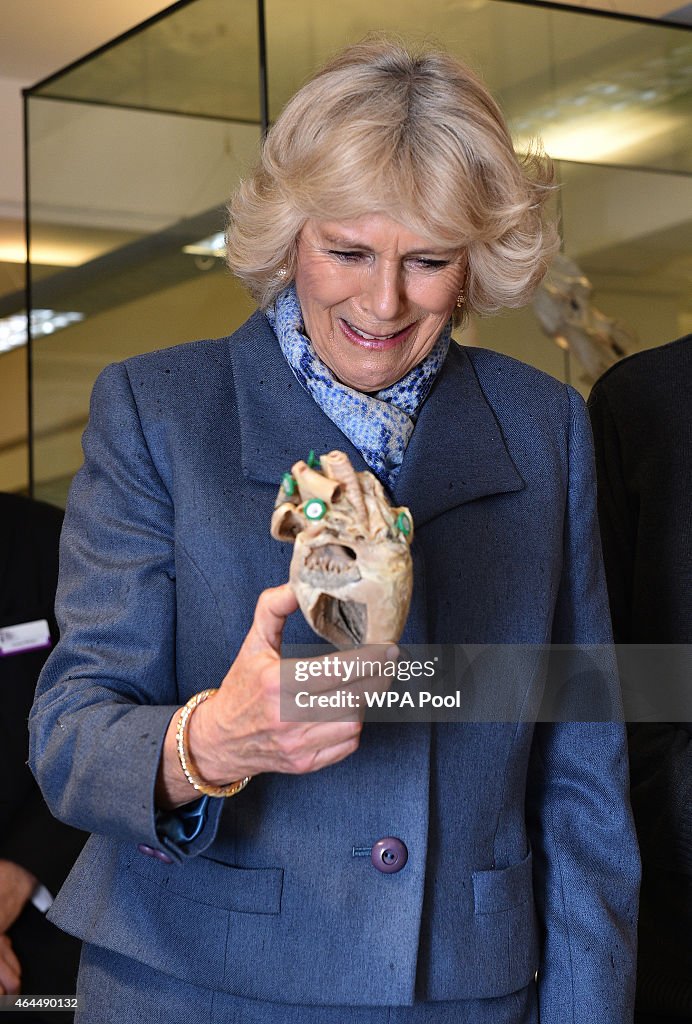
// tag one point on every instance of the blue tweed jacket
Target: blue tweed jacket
(522, 856)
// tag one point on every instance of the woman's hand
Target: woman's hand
(10, 970)
(239, 730)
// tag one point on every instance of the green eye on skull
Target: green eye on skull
(314, 509)
(403, 524)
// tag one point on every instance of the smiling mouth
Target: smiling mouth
(379, 341)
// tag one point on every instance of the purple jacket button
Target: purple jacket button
(389, 855)
(149, 851)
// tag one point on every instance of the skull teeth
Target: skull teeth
(331, 560)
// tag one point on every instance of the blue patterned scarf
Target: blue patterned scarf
(379, 425)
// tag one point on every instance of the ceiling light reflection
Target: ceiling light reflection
(214, 245)
(602, 136)
(43, 322)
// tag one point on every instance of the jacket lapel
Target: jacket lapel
(456, 454)
(279, 421)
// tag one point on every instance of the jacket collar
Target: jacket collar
(456, 454)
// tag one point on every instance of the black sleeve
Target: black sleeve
(660, 752)
(40, 843)
(617, 514)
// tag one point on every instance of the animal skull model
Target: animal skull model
(351, 568)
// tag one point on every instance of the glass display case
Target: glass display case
(133, 151)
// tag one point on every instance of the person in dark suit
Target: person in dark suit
(641, 411)
(483, 872)
(36, 850)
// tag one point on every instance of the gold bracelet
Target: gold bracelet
(186, 762)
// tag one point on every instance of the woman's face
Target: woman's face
(374, 296)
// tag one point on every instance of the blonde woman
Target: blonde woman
(334, 871)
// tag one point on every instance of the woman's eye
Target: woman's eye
(430, 264)
(345, 256)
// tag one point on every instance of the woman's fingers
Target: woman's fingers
(272, 609)
(259, 721)
(339, 671)
(299, 749)
(10, 969)
(329, 755)
(293, 716)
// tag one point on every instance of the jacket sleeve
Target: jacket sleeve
(108, 691)
(585, 853)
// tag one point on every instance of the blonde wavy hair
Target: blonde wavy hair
(415, 136)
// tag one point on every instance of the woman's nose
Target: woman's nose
(383, 293)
